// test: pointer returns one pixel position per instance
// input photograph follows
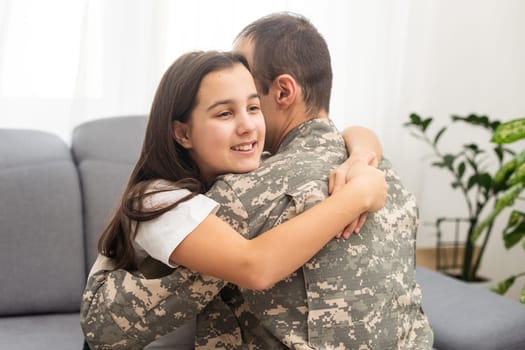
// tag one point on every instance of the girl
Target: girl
(164, 215)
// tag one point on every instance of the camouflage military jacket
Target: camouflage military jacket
(125, 310)
(358, 294)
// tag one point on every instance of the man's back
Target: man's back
(285, 185)
(317, 305)
(362, 292)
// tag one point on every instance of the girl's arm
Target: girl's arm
(163, 304)
(215, 248)
(361, 144)
(361, 141)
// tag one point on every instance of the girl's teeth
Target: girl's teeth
(243, 148)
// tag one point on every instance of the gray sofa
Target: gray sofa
(54, 200)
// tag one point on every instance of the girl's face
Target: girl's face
(225, 132)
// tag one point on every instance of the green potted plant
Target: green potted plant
(512, 175)
(485, 193)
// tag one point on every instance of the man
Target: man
(359, 293)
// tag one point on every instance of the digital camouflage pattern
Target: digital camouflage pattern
(124, 310)
(358, 294)
(363, 292)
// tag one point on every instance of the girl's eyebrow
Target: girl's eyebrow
(217, 103)
(223, 102)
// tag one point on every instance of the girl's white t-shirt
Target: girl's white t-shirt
(160, 236)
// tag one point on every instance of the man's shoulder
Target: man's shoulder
(308, 156)
(267, 180)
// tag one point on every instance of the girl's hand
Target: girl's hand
(340, 175)
(367, 185)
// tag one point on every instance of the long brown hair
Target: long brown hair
(161, 156)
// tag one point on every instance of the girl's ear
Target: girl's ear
(181, 133)
(285, 89)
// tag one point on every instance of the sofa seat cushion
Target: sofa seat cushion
(55, 331)
(463, 316)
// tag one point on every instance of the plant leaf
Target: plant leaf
(425, 123)
(439, 134)
(494, 125)
(472, 181)
(455, 184)
(485, 180)
(415, 121)
(472, 164)
(510, 131)
(515, 229)
(448, 160)
(508, 197)
(518, 175)
(503, 286)
(473, 147)
(499, 152)
(504, 172)
(509, 151)
(481, 120)
(461, 169)
(415, 118)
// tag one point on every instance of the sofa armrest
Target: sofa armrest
(464, 316)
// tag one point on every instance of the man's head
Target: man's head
(288, 46)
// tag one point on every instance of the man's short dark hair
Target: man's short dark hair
(287, 43)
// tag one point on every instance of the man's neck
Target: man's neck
(293, 118)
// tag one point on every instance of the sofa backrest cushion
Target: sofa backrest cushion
(42, 260)
(105, 151)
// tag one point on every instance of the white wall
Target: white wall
(462, 57)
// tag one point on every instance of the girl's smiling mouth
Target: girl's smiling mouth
(245, 147)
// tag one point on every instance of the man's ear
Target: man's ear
(181, 133)
(285, 90)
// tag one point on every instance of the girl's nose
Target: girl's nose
(245, 123)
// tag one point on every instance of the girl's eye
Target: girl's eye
(254, 108)
(224, 114)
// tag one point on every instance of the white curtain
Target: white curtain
(64, 62)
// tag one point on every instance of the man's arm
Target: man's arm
(123, 310)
